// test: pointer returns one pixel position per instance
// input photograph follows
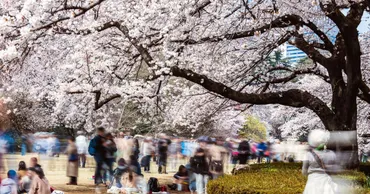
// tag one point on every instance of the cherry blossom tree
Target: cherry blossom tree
(145, 50)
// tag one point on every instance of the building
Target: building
(293, 54)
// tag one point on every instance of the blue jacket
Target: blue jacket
(262, 146)
(100, 150)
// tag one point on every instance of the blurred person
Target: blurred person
(110, 157)
(54, 145)
(119, 142)
(81, 143)
(121, 169)
(215, 159)
(163, 144)
(234, 152)
(9, 185)
(51, 143)
(301, 149)
(23, 145)
(244, 152)
(24, 183)
(72, 166)
(174, 151)
(3, 146)
(254, 151)
(34, 162)
(97, 149)
(192, 179)
(200, 167)
(127, 147)
(39, 183)
(261, 148)
(318, 164)
(129, 182)
(133, 182)
(134, 165)
(267, 152)
(276, 151)
(22, 169)
(136, 149)
(181, 178)
(148, 150)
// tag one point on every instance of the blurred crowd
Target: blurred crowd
(122, 160)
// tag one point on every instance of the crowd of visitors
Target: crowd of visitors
(122, 160)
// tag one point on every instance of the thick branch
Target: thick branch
(365, 92)
(310, 50)
(293, 97)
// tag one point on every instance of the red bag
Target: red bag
(267, 153)
(163, 189)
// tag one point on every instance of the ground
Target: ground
(55, 171)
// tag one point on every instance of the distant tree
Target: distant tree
(277, 58)
(253, 129)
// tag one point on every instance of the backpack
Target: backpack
(153, 185)
(92, 147)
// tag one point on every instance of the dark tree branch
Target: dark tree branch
(310, 50)
(200, 7)
(293, 97)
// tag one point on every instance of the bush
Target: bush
(275, 178)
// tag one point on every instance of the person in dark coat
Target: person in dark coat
(162, 153)
(244, 152)
(135, 166)
(98, 150)
(200, 167)
(110, 151)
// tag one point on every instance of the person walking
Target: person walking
(81, 143)
(163, 144)
(200, 167)
(72, 166)
(244, 152)
(174, 151)
(216, 164)
(261, 148)
(97, 149)
(319, 163)
(24, 145)
(148, 150)
(136, 149)
(111, 149)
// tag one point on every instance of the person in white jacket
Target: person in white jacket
(82, 146)
(148, 150)
(9, 185)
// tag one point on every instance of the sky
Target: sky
(365, 24)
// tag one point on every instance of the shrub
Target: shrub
(275, 178)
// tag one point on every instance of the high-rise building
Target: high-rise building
(293, 54)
